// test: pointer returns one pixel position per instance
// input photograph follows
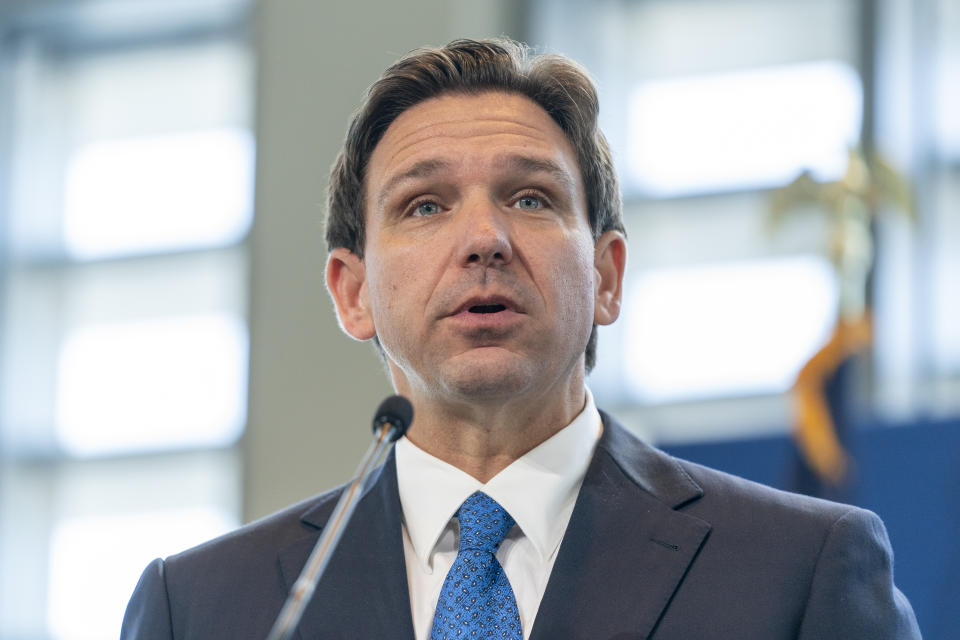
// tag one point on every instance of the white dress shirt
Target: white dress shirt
(538, 490)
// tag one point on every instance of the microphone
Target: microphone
(395, 411)
(390, 422)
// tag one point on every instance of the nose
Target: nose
(485, 235)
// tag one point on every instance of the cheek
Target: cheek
(396, 290)
(383, 294)
(578, 267)
(572, 273)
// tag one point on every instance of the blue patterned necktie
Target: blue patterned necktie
(476, 600)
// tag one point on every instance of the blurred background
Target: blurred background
(170, 365)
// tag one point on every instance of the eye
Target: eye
(529, 203)
(427, 208)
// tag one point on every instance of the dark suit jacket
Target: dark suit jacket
(656, 548)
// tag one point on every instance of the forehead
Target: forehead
(459, 128)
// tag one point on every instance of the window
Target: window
(123, 332)
(690, 337)
(741, 130)
(707, 107)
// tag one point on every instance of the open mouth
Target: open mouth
(487, 308)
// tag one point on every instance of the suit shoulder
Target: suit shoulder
(732, 494)
(713, 495)
(272, 531)
(746, 514)
(820, 569)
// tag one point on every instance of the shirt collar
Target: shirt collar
(539, 489)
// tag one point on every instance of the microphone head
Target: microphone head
(395, 411)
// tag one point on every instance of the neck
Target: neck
(482, 439)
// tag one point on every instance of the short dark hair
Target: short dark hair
(557, 84)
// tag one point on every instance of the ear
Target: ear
(347, 284)
(609, 264)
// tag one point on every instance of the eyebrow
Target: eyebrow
(421, 169)
(527, 164)
(514, 163)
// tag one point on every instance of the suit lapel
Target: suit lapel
(626, 548)
(623, 556)
(363, 593)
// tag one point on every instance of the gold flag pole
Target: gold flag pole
(850, 205)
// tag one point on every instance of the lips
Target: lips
(487, 308)
(485, 305)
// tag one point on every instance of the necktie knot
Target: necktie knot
(483, 523)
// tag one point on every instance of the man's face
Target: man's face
(479, 270)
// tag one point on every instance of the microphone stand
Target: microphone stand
(388, 428)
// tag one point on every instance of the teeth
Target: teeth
(487, 308)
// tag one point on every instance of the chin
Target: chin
(491, 379)
(478, 388)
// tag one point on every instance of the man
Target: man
(475, 235)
